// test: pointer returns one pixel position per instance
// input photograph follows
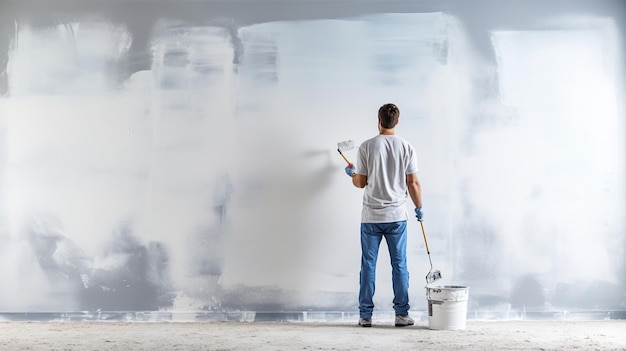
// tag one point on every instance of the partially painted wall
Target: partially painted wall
(180, 156)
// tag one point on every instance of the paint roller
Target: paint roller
(343, 146)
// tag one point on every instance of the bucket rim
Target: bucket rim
(447, 287)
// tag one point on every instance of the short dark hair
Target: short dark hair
(388, 115)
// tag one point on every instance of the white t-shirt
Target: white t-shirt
(385, 160)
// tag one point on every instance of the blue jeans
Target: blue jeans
(371, 236)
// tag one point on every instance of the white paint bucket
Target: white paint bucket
(447, 307)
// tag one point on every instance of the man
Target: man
(387, 169)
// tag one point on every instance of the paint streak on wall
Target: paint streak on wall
(311, 88)
(71, 173)
(560, 176)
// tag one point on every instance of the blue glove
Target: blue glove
(350, 170)
(419, 213)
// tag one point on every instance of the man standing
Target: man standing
(387, 169)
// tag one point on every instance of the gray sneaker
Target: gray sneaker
(365, 322)
(403, 321)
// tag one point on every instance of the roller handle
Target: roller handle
(344, 157)
(425, 241)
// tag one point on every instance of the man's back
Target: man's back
(385, 160)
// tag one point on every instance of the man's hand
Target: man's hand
(350, 170)
(419, 213)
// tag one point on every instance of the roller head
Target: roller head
(432, 276)
(345, 145)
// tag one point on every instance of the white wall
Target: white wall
(210, 180)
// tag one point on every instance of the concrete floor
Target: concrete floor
(478, 335)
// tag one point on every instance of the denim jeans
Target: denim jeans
(395, 236)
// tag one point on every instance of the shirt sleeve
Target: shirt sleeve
(412, 161)
(361, 163)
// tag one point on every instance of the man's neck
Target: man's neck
(385, 131)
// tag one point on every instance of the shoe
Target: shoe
(403, 321)
(365, 322)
